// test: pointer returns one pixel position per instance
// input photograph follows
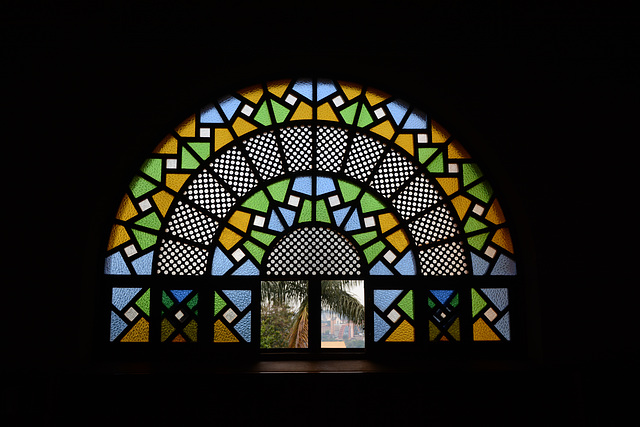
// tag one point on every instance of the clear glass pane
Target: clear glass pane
(342, 320)
(284, 319)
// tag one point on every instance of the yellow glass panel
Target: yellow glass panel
(163, 201)
(482, 332)
(449, 185)
(229, 239)
(175, 181)
(126, 210)
(387, 221)
(403, 333)
(118, 236)
(438, 133)
(169, 145)
(221, 137)
(461, 204)
(503, 238)
(278, 87)
(495, 214)
(351, 89)
(384, 129)
(405, 141)
(399, 240)
(241, 126)
(222, 334)
(457, 151)
(166, 329)
(325, 112)
(375, 96)
(303, 112)
(252, 93)
(188, 127)
(240, 220)
(191, 330)
(139, 333)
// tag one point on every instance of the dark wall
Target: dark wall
(542, 95)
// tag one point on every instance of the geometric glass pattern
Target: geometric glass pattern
(490, 314)
(444, 319)
(393, 315)
(179, 316)
(310, 177)
(232, 316)
(130, 314)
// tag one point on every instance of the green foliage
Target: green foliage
(276, 323)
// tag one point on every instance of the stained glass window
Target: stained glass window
(302, 179)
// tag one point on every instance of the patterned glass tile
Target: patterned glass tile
(234, 169)
(297, 144)
(490, 311)
(177, 258)
(444, 260)
(130, 315)
(263, 151)
(393, 315)
(332, 143)
(179, 316)
(363, 156)
(205, 191)
(419, 195)
(444, 315)
(313, 251)
(393, 172)
(435, 225)
(190, 224)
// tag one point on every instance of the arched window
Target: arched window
(299, 190)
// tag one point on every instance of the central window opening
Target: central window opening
(312, 314)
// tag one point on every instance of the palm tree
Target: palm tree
(334, 296)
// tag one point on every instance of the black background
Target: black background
(544, 96)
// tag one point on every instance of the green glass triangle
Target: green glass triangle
(153, 168)
(278, 190)
(322, 214)
(349, 191)
(218, 303)
(482, 191)
(144, 239)
(192, 303)
(258, 202)
(455, 301)
(477, 303)
(348, 114)
(473, 224)
(202, 149)
(424, 153)
(372, 251)
(370, 203)
(167, 300)
(279, 111)
(407, 304)
(188, 161)
(362, 238)
(431, 303)
(365, 118)
(437, 164)
(254, 250)
(265, 238)
(477, 241)
(144, 302)
(305, 213)
(470, 173)
(140, 186)
(262, 116)
(150, 221)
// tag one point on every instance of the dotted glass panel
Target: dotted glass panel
(394, 171)
(207, 192)
(444, 260)
(177, 258)
(263, 152)
(297, 145)
(190, 224)
(313, 251)
(235, 171)
(332, 143)
(419, 195)
(435, 225)
(364, 155)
